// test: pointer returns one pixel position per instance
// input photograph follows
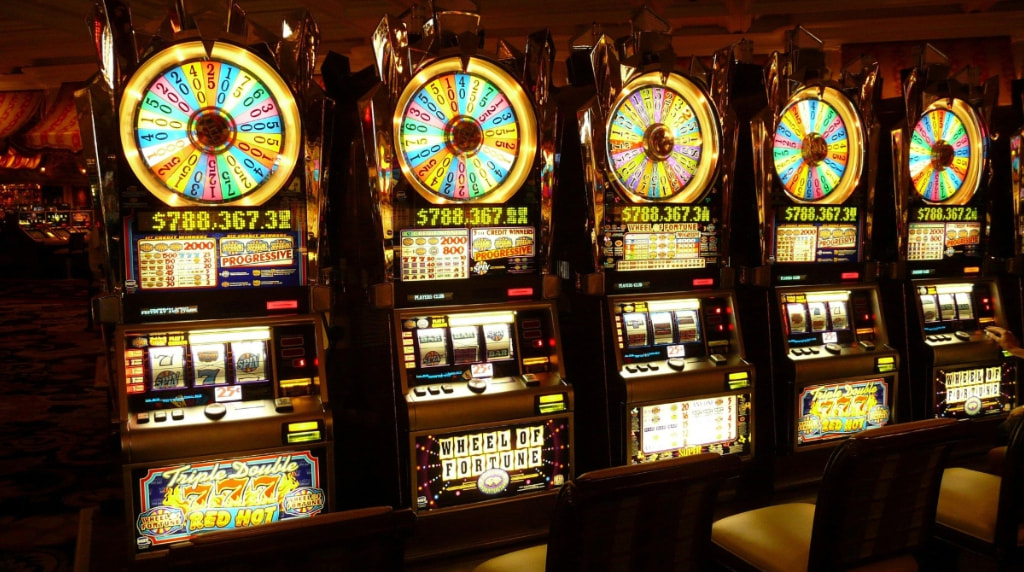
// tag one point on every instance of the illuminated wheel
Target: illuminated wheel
(947, 153)
(663, 139)
(818, 147)
(465, 134)
(209, 129)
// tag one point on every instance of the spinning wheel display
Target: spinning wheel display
(663, 139)
(211, 129)
(947, 153)
(818, 147)
(465, 134)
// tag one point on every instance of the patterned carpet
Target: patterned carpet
(60, 450)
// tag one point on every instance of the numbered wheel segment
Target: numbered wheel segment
(663, 140)
(947, 152)
(818, 147)
(465, 134)
(211, 128)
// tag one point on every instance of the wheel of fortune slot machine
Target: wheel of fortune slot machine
(655, 350)
(950, 292)
(210, 183)
(833, 372)
(459, 325)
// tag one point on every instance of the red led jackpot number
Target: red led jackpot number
(947, 151)
(465, 134)
(662, 140)
(818, 147)
(209, 128)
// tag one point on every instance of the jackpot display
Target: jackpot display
(216, 310)
(834, 373)
(652, 276)
(941, 173)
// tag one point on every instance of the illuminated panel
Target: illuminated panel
(976, 391)
(947, 153)
(833, 411)
(470, 216)
(453, 469)
(172, 263)
(440, 254)
(465, 131)
(661, 247)
(178, 502)
(210, 220)
(209, 127)
(683, 428)
(936, 240)
(818, 147)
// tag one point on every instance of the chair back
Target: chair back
(1011, 494)
(360, 539)
(879, 493)
(654, 516)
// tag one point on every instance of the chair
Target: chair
(655, 516)
(875, 508)
(359, 539)
(983, 512)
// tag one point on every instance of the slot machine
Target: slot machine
(814, 287)
(459, 325)
(212, 222)
(950, 290)
(656, 355)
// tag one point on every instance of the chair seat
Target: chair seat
(525, 560)
(969, 502)
(776, 537)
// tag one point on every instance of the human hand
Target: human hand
(1003, 337)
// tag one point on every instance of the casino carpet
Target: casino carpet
(59, 452)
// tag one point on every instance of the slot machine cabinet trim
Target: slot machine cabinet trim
(150, 72)
(524, 116)
(708, 129)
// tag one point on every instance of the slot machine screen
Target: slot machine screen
(817, 318)
(691, 427)
(946, 308)
(476, 346)
(58, 218)
(672, 329)
(166, 370)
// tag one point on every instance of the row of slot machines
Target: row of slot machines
(443, 283)
(52, 227)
